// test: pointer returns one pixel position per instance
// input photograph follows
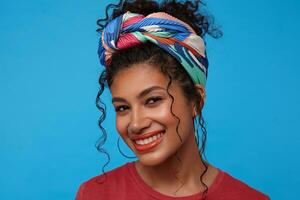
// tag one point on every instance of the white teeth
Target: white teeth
(149, 140)
(146, 140)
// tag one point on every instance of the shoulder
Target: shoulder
(104, 184)
(236, 189)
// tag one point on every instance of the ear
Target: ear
(201, 90)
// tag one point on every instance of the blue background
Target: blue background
(48, 83)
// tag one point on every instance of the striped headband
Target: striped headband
(169, 33)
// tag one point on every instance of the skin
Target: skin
(137, 115)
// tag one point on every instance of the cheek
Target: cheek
(121, 126)
(163, 115)
(179, 112)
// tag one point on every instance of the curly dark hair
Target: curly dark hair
(191, 12)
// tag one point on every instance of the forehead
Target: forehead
(136, 78)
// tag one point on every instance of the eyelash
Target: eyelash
(117, 109)
(155, 99)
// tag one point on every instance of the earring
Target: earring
(196, 126)
(123, 154)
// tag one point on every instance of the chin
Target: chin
(152, 158)
(149, 162)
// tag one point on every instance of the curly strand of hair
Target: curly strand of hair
(202, 22)
(204, 194)
(178, 122)
(107, 16)
(196, 131)
(178, 170)
(204, 135)
(121, 152)
(171, 107)
(144, 7)
(202, 153)
(102, 108)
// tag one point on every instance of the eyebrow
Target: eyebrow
(140, 95)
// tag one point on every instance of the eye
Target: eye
(120, 108)
(153, 100)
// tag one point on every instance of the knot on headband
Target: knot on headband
(169, 33)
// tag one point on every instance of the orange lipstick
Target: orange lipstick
(150, 145)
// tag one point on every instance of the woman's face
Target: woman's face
(143, 116)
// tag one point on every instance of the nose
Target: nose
(138, 122)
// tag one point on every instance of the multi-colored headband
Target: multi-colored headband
(169, 33)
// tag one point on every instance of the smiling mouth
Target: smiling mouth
(148, 143)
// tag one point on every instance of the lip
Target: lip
(144, 136)
(149, 146)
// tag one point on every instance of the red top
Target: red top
(125, 183)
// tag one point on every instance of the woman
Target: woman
(156, 70)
